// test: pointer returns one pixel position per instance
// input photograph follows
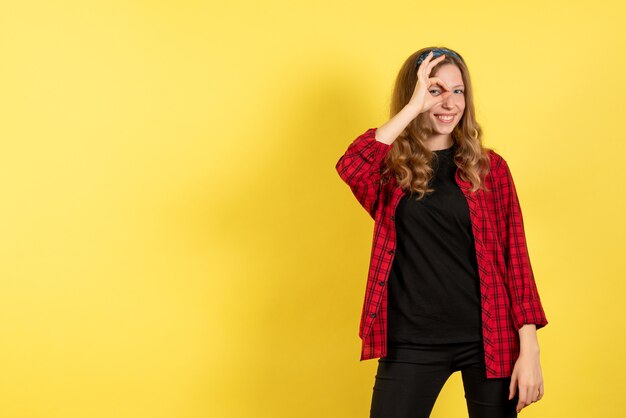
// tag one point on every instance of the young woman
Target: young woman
(450, 285)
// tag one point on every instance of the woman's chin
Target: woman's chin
(443, 129)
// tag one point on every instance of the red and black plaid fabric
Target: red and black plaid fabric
(509, 296)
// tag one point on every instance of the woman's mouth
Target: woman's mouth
(445, 119)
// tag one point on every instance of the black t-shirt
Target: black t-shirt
(434, 293)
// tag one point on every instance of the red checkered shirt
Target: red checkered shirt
(509, 296)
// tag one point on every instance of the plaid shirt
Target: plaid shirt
(509, 297)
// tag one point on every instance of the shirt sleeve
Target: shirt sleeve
(526, 303)
(360, 167)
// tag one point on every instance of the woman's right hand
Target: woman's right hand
(422, 100)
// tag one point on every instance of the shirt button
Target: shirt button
(393, 218)
(373, 315)
(391, 251)
(382, 282)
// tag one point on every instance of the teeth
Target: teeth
(445, 118)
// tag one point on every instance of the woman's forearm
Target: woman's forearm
(528, 338)
(390, 131)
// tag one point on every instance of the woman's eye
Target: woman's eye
(437, 91)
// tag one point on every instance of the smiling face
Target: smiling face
(444, 116)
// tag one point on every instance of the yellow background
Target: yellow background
(176, 241)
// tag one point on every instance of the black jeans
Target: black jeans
(410, 378)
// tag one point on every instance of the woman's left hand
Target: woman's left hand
(527, 375)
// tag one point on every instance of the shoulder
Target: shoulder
(498, 165)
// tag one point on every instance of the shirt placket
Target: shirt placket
(375, 305)
(484, 267)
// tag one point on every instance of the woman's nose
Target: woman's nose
(449, 101)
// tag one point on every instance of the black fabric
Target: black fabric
(434, 293)
(409, 380)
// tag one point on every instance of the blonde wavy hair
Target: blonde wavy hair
(409, 160)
